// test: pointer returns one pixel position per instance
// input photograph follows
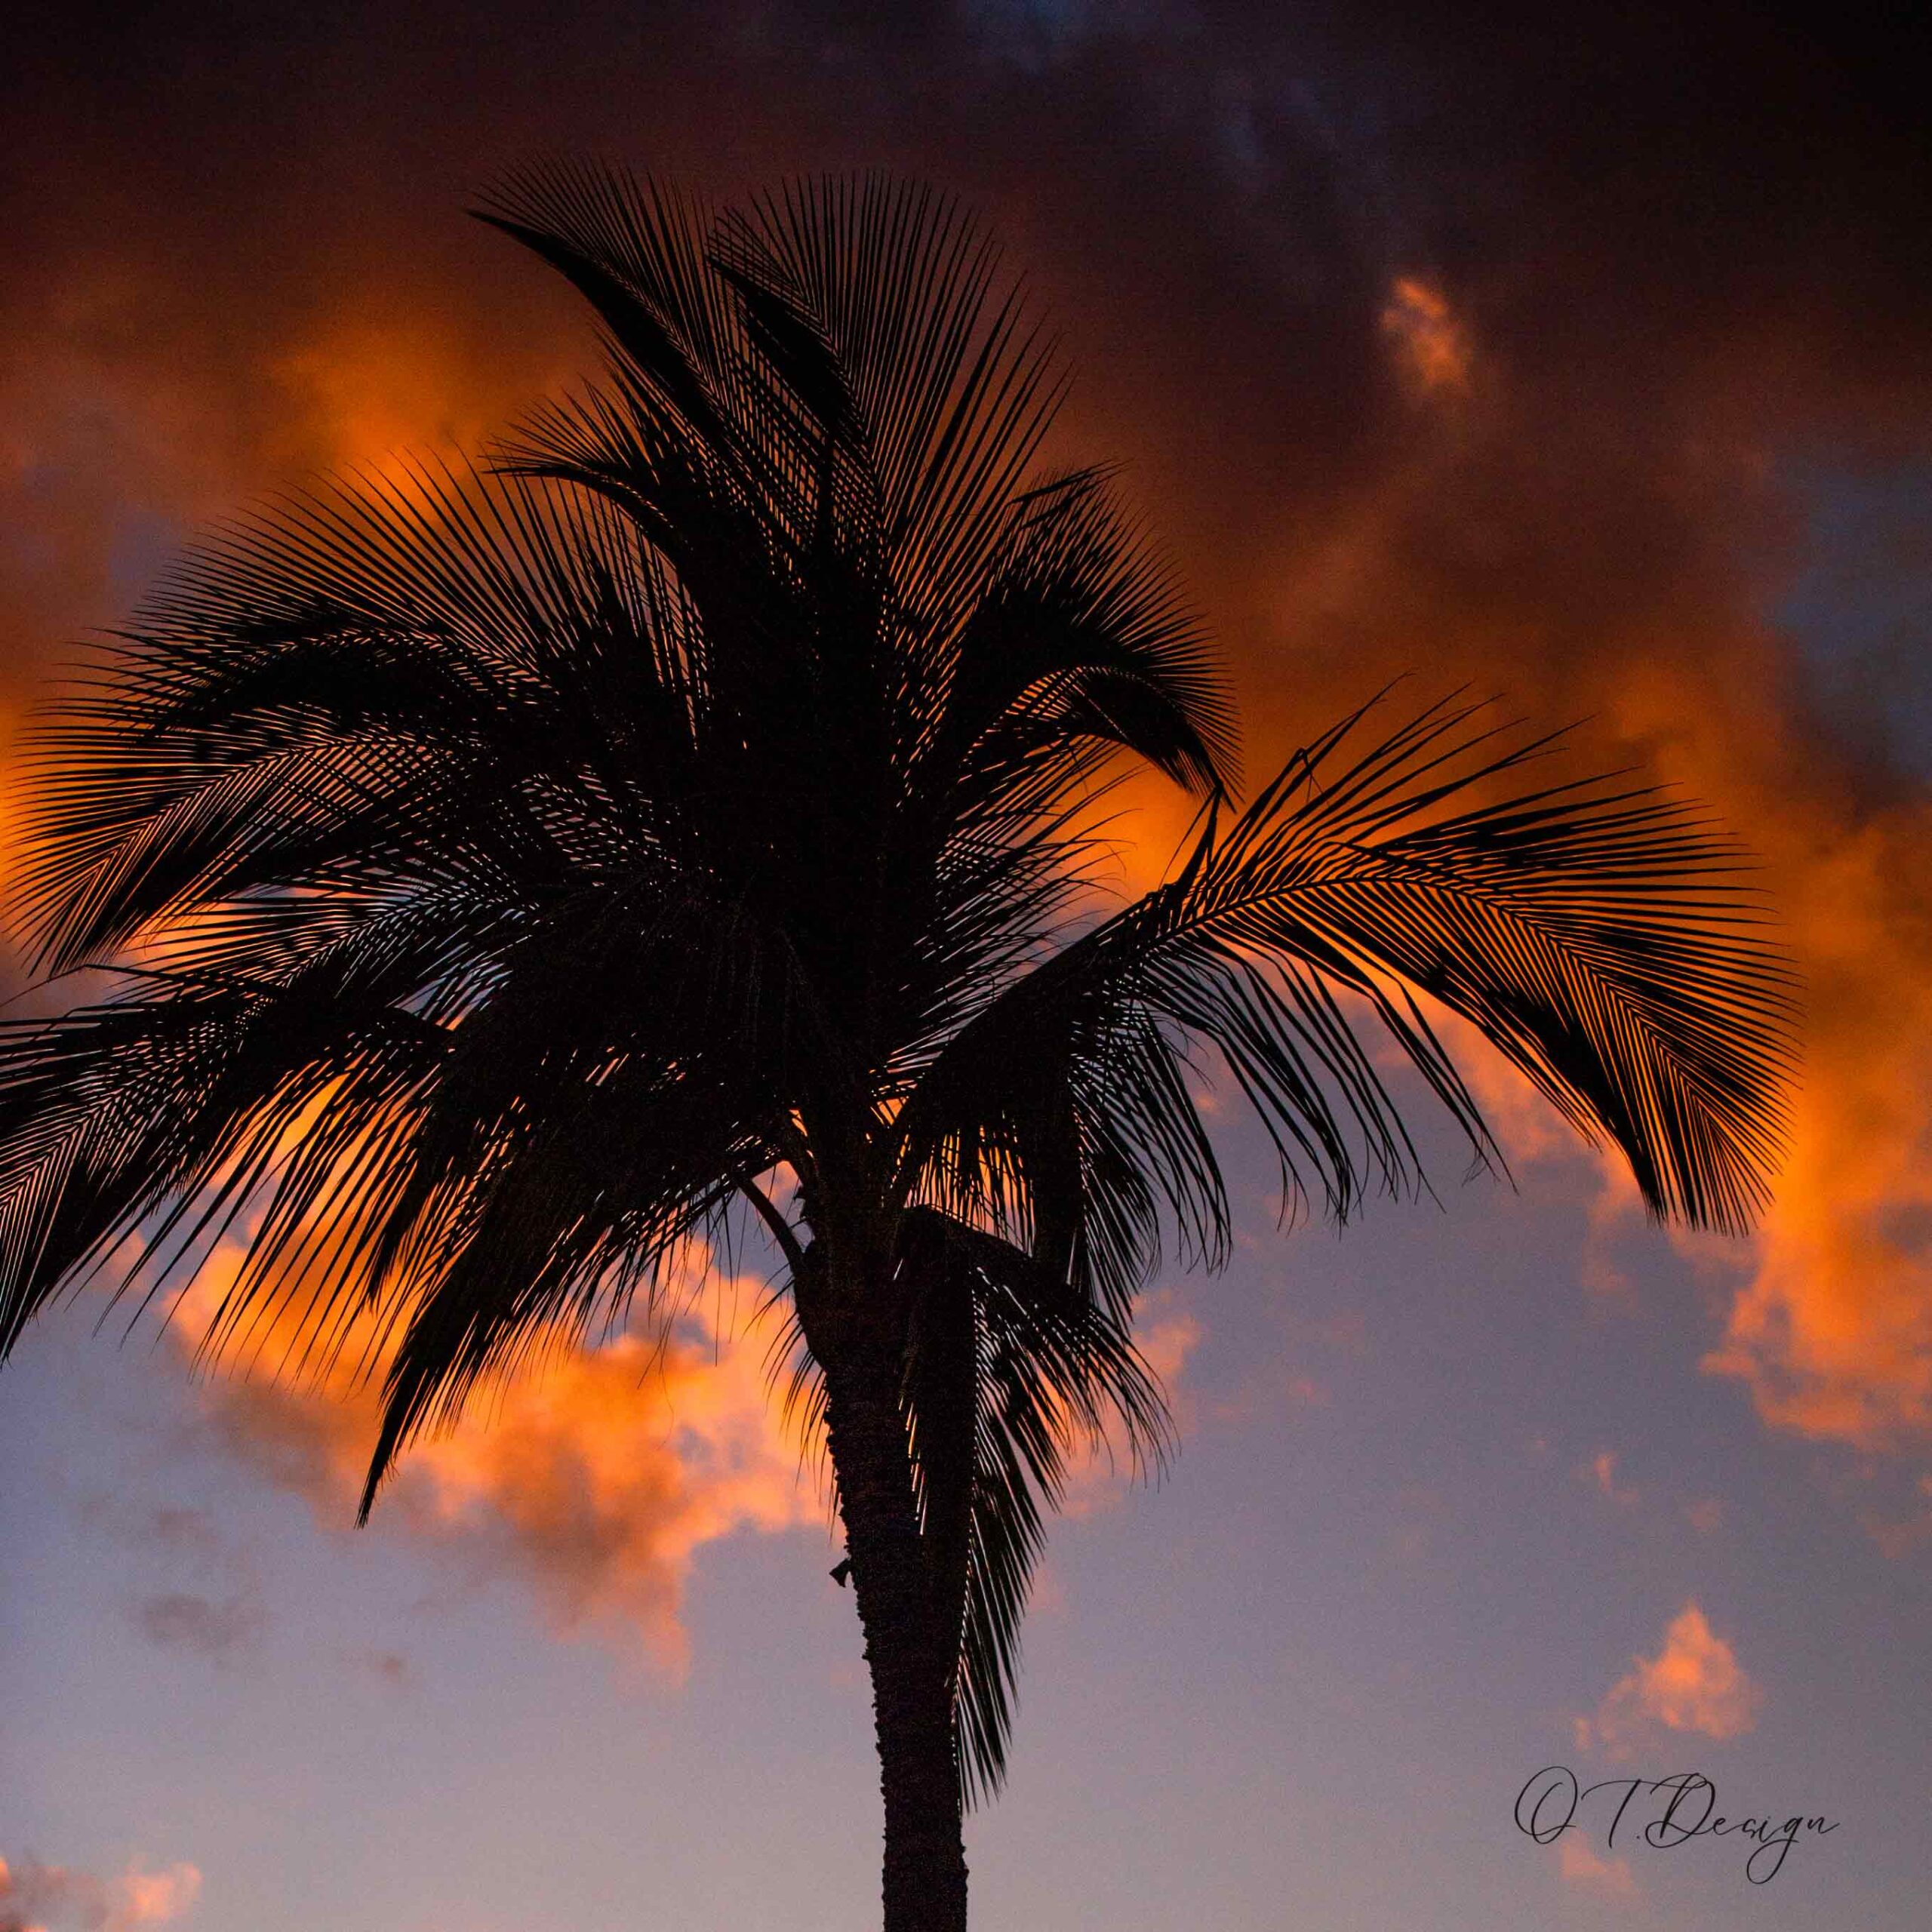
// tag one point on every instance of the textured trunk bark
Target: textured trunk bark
(924, 1883)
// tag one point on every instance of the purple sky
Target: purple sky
(1587, 363)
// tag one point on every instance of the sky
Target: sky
(1578, 357)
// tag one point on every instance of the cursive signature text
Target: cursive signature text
(1547, 1806)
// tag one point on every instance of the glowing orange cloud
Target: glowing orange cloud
(1431, 344)
(49, 1898)
(1832, 1326)
(361, 392)
(1607, 1878)
(597, 1479)
(1832, 1329)
(1569, 557)
(1694, 1684)
(1833, 1332)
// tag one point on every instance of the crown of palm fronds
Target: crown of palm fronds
(499, 878)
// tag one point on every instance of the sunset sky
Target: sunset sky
(1589, 364)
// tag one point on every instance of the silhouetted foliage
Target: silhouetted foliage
(487, 883)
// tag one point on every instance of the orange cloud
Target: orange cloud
(1607, 1878)
(1833, 1331)
(363, 389)
(1603, 1472)
(1694, 1684)
(1589, 566)
(131, 415)
(1430, 345)
(49, 1898)
(596, 1479)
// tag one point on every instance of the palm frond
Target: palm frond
(1603, 938)
(1008, 1372)
(163, 1117)
(361, 688)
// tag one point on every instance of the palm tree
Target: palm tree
(486, 887)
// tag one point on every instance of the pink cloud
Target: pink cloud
(35, 1897)
(1694, 1684)
(1603, 1472)
(1607, 1878)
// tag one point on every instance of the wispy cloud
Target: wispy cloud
(1605, 1877)
(595, 1482)
(1694, 1684)
(1431, 344)
(35, 1897)
(206, 1602)
(1601, 1470)
(391, 1668)
(217, 1628)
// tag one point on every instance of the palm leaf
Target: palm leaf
(1600, 939)
(1008, 1372)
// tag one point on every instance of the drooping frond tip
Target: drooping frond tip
(1606, 937)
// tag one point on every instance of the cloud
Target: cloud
(390, 1668)
(1681, 660)
(174, 1529)
(1602, 1471)
(1606, 1878)
(1832, 1332)
(57, 1898)
(215, 1610)
(1694, 1685)
(1430, 345)
(593, 1480)
(1166, 1336)
(218, 1630)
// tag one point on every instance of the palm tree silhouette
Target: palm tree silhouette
(486, 886)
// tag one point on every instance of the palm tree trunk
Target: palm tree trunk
(925, 1856)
